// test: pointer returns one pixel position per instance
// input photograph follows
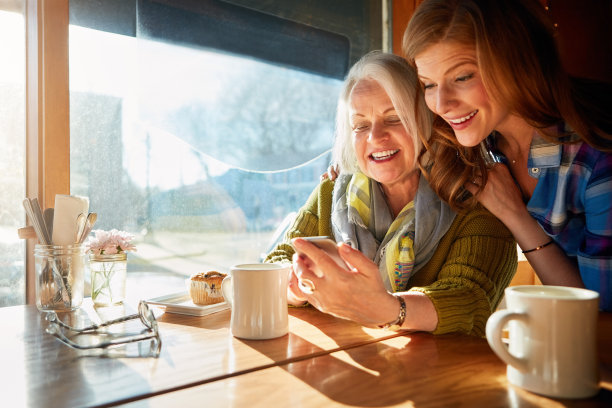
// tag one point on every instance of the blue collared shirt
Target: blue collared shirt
(573, 203)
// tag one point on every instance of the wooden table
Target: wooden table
(323, 361)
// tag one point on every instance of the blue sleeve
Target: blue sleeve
(595, 251)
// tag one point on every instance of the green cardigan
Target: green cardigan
(466, 276)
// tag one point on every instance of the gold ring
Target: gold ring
(307, 286)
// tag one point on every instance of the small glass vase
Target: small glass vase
(108, 277)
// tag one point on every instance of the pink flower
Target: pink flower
(110, 242)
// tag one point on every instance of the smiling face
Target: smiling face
(383, 147)
(454, 90)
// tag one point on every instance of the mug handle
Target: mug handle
(495, 324)
(226, 289)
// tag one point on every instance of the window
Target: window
(12, 154)
(199, 126)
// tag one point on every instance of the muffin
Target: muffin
(205, 287)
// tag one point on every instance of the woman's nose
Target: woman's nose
(377, 131)
(445, 99)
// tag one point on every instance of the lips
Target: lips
(383, 155)
(462, 122)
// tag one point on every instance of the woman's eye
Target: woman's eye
(464, 78)
(393, 120)
(427, 86)
(359, 127)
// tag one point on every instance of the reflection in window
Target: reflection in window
(202, 153)
(12, 153)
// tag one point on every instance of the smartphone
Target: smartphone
(329, 246)
(489, 152)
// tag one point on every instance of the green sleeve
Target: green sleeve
(466, 277)
(313, 219)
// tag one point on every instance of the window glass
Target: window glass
(198, 149)
(12, 153)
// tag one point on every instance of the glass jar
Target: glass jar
(108, 277)
(60, 272)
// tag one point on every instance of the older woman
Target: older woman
(415, 263)
(491, 72)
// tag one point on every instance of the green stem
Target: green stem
(107, 276)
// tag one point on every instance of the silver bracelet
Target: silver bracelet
(397, 323)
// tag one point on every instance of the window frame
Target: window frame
(47, 110)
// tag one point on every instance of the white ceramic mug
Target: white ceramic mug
(552, 339)
(257, 294)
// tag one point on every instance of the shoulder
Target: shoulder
(590, 157)
(586, 165)
(326, 187)
(320, 199)
(582, 152)
(325, 191)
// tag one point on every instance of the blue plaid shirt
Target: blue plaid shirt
(573, 203)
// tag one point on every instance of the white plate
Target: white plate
(181, 303)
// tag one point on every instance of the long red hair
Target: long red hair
(520, 67)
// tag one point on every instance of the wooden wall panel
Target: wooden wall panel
(402, 11)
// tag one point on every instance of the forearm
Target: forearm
(550, 263)
(503, 198)
(420, 312)
(421, 315)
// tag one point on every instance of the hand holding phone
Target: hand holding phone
(489, 152)
(329, 246)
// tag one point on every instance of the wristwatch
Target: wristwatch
(397, 323)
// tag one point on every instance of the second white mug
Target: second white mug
(257, 294)
(552, 346)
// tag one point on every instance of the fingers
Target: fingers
(475, 185)
(305, 277)
(294, 295)
(308, 265)
(307, 286)
(472, 186)
(316, 259)
(301, 262)
(357, 260)
(332, 172)
(301, 266)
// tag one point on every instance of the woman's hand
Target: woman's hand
(332, 173)
(295, 296)
(501, 196)
(357, 294)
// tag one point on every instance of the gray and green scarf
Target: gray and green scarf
(400, 246)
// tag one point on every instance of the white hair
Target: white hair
(400, 82)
